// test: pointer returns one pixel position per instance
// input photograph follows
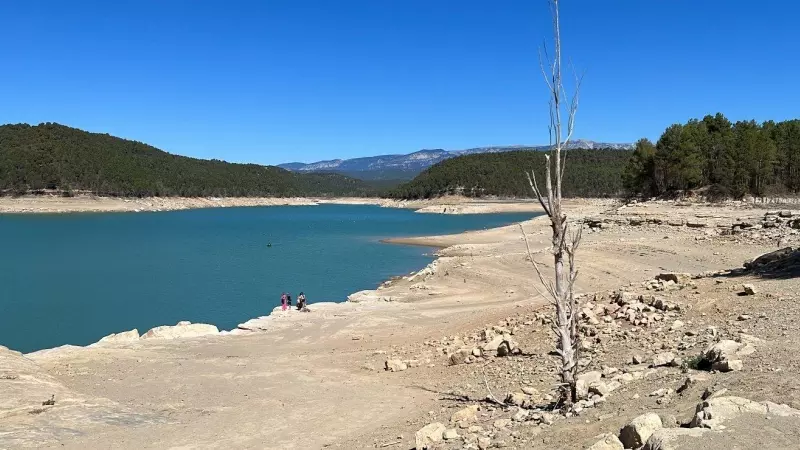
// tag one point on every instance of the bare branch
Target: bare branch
(488, 389)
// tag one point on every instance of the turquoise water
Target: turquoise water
(74, 278)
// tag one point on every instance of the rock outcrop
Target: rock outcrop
(183, 329)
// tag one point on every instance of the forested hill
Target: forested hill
(53, 156)
(589, 173)
(731, 159)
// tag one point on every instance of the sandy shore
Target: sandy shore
(251, 388)
(88, 203)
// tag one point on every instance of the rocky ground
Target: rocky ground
(683, 347)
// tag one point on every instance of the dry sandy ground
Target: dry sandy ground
(90, 203)
(314, 380)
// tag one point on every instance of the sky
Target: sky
(272, 81)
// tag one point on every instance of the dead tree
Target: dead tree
(560, 289)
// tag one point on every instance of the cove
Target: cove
(74, 278)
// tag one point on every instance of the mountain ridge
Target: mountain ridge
(406, 166)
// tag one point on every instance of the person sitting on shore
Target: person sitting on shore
(301, 301)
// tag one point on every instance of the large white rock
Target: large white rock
(466, 415)
(721, 351)
(182, 330)
(115, 338)
(429, 435)
(667, 438)
(639, 430)
(607, 442)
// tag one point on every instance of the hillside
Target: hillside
(733, 159)
(53, 156)
(406, 167)
(590, 173)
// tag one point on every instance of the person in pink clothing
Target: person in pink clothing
(284, 301)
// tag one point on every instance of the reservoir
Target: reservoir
(74, 278)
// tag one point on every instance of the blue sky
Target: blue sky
(273, 81)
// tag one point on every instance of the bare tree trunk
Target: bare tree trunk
(564, 245)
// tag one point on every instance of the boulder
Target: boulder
(516, 398)
(115, 338)
(607, 442)
(459, 357)
(673, 438)
(712, 412)
(663, 359)
(639, 430)
(529, 390)
(466, 415)
(183, 329)
(729, 365)
(721, 351)
(427, 437)
(508, 347)
(502, 423)
(590, 377)
(599, 388)
(395, 365)
(450, 434)
(521, 415)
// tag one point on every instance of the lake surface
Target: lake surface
(74, 278)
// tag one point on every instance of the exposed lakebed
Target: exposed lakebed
(71, 279)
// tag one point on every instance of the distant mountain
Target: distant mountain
(406, 167)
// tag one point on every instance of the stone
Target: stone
(466, 415)
(665, 438)
(637, 359)
(516, 398)
(721, 351)
(476, 352)
(528, 390)
(450, 434)
(182, 330)
(636, 433)
(501, 423)
(459, 357)
(492, 345)
(581, 389)
(125, 336)
(429, 435)
(508, 347)
(607, 442)
(729, 365)
(395, 365)
(748, 289)
(663, 359)
(590, 377)
(677, 325)
(712, 412)
(599, 388)
(521, 415)
(675, 277)
(484, 443)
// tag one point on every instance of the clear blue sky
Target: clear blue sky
(273, 81)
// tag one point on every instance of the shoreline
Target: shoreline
(186, 329)
(51, 204)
